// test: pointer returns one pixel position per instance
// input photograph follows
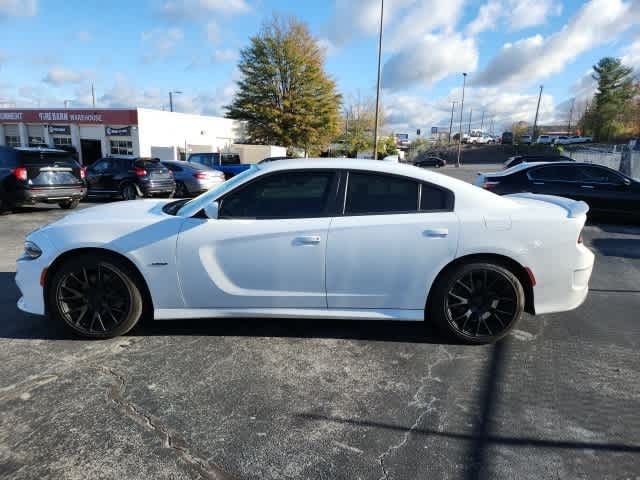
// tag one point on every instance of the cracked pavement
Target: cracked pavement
(286, 399)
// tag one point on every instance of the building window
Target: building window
(37, 142)
(121, 147)
(62, 141)
(12, 140)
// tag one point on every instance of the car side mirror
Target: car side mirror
(212, 210)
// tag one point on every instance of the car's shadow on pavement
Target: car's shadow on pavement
(15, 324)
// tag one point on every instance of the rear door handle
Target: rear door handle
(590, 187)
(308, 240)
(436, 232)
(538, 183)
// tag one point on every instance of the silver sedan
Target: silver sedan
(193, 178)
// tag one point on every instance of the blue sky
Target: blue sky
(135, 52)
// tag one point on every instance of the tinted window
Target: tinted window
(7, 157)
(45, 158)
(433, 198)
(148, 163)
(375, 193)
(197, 158)
(173, 167)
(232, 159)
(566, 173)
(282, 195)
(598, 175)
(102, 165)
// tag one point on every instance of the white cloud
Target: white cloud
(631, 56)
(529, 13)
(161, 42)
(58, 76)
(488, 16)
(194, 9)
(18, 8)
(433, 59)
(585, 86)
(213, 32)
(534, 58)
(223, 55)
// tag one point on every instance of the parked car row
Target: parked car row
(553, 140)
(29, 175)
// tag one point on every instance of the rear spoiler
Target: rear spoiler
(574, 208)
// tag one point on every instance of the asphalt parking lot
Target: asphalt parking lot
(276, 399)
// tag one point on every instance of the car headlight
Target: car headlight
(31, 250)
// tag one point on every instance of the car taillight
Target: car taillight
(140, 172)
(490, 184)
(201, 175)
(20, 173)
(83, 173)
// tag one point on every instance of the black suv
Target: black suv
(30, 175)
(129, 178)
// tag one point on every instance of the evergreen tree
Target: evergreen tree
(615, 90)
(284, 95)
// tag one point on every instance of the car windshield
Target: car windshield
(194, 206)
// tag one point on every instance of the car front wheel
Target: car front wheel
(477, 302)
(96, 296)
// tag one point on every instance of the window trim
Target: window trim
(580, 182)
(329, 209)
(450, 195)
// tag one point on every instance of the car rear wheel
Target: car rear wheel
(129, 192)
(181, 190)
(477, 302)
(69, 204)
(97, 297)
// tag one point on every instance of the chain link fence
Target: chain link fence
(617, 157)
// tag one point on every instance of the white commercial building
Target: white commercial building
(96, 133)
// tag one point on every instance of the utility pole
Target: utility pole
(93, 95)
(171, 93)
(470, 112)
(453, 106)
(535, 121)
(482, 121)
(464, 83)
(573, 101)
(375, 127)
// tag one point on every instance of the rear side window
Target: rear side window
(435, 199)
(560, 173)
(372, 193)
(281, 195)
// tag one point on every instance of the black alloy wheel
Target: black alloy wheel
(97, 298)
(181, 190)
(479, 303)
(129, 192)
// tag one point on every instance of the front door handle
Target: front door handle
(436, 232)
(308, 240)
(590, 187)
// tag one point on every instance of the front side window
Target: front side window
(593, 174)
(281, 195)
(560, 173)
(121, 147)
(373, 193)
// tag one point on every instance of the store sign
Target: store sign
(113, 116)
(60, 129)
(117, 131)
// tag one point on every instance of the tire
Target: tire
(476, 303)
(69, 204)
(181, 190)
(4, 208)
(96, 296)
(129, 192)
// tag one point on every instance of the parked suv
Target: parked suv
(30, 175)
(129, 178)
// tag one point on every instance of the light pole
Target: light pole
(470, 112)
(464, 83)
(375, 127)
(171, 94)
(482, 121)
(573, 102)
(453, 106)
(535, 120)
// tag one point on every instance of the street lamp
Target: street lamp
(171, 94)
(464, 84)
(375, 127)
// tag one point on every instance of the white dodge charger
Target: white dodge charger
(322, 238)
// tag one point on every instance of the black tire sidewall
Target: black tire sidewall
(129, 187)
(69, 204)
(436, 310)
(85, 260)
